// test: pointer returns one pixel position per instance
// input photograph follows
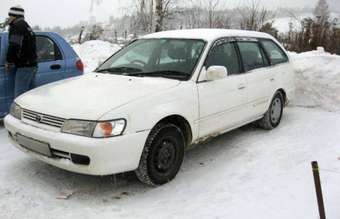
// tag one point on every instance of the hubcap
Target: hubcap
(276, 110)
(165, 156)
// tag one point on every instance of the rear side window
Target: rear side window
(47, 50)
(275, 53)
(224, 55)
(252, 55)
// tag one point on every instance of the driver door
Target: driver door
(222, 102)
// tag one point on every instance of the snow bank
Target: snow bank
(94, 52)
(317, 80)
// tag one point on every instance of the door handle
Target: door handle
(241, 86)
(55, 67)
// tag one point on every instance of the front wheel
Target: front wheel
(162, 155)
(272, 117)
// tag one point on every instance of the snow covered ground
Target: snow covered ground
(247, 173)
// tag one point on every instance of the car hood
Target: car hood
(92, 95)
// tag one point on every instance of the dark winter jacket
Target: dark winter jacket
(22, 44)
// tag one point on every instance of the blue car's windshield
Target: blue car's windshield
(170, 58)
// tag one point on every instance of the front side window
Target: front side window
(47, 50)
(252, 55)
(169, 58)
(275, 53)
(224, 55)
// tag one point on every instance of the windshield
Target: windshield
(169, 58)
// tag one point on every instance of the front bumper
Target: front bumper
(107, 156)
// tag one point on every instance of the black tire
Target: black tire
(272, 117)
(162, 156)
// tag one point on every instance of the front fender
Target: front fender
(145, 113)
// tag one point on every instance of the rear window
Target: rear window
(275, 54)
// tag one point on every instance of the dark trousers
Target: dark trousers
(24, 80)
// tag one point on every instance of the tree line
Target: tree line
(319, 30)
(149, 16)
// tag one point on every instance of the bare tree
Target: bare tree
(212, 6)
(142, 18)
(193, 17)
(255, 16)
(159, 15)
(162, 11)
(321, 11)
(321, 25)
(93, 3)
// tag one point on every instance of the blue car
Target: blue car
(56, 61)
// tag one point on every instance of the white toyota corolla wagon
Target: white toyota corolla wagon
(147, 103)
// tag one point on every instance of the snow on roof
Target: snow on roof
(206, 34)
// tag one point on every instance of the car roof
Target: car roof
(38, 33)
(206, 34)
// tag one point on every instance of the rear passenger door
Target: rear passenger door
(279, 65)
(51, 62)
(222, 102)
(258, 76)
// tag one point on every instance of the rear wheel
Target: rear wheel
(162, 155)
(272, 117)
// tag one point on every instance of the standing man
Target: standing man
(21, 55)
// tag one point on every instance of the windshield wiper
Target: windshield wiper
(165, 73)
(123, 69)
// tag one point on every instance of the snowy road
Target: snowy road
(248, 173)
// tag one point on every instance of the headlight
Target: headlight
(79, 127)
(94, 129)
(109, 129)
(15, 111)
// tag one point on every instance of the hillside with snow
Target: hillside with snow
(247, 173)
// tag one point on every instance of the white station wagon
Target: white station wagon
(147, 103)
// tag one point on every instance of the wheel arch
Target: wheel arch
(182, 123)
(284, 95)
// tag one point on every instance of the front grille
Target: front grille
(42, 118)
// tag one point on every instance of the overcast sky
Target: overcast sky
(69, 12)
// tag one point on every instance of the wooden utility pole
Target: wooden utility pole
(318, 189)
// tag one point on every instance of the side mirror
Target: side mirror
(216, 72)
